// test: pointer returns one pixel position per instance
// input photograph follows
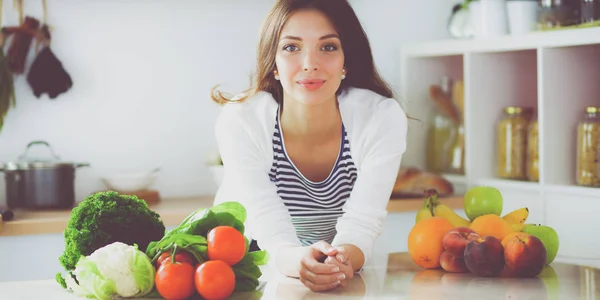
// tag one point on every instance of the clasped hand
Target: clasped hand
(324, 267)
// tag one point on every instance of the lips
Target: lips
(311, 84)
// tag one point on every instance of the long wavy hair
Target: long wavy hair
(355, 44)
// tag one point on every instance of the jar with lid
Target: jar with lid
(442, 132)
(533, 158)
(588, 144)
(589, 11)
(512, 143)
(558, 13)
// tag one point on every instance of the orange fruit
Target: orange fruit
(491, 225)
(425, 241)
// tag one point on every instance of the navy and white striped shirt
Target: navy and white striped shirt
(314, 206)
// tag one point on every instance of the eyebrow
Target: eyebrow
(327, 36)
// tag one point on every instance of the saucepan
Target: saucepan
(40, 183)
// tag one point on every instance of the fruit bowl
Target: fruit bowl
(130, 182)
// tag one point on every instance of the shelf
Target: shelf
(557, 74)
(573, 190)
(512, 184)
(531, 41)
(493, 82)
(571, 76)
(423, 73)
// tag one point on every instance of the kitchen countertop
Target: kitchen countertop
(392, 276)
(171, 210)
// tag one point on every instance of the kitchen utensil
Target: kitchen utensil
(131, 182)
(40, 183)
(443, 102)
(458, 97)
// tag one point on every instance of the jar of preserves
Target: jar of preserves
(441, 136)
(588, 152)
(512, 143)
(533, 159)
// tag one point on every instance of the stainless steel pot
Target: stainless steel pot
(40, 183)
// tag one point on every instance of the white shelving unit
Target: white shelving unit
(557, 73)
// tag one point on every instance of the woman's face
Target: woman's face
(309, 60)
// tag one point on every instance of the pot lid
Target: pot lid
(26, 163)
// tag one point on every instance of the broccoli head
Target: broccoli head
(107, 217)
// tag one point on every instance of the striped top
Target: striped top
(314, 206)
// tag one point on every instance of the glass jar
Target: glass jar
(441, 136)
(590, 11)
(588, 152)
(456, 164)
(533, 159)
(558, 13)
(512, 143)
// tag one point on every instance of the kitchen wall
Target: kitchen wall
(142, 72)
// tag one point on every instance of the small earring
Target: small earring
(276, 77)
(343, 76)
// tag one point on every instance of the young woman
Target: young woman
(313, 150)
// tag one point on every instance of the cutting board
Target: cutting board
(151, 197)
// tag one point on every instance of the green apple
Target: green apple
(548, 236)
(483, 200)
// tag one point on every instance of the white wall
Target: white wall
(142, 72)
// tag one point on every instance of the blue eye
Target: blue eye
(287, 48)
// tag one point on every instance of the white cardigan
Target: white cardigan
(377, 128)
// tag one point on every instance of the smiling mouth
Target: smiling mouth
(311, 81)
(311, 84)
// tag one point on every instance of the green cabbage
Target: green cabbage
(115, 269)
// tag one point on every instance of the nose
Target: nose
(310, 61)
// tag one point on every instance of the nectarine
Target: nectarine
(452, 264)
(485, 256)
(525, 255)
(456, 240)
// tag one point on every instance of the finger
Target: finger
(342, 254)
(308, 275)
(345, 268)
(325, 248)
(320, 287)
(318, 268)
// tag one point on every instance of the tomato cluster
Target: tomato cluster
(181, 277)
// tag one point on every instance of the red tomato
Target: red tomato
(214, 280)
(181, 256)
(175, 281)
(225, 243)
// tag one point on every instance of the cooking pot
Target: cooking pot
(40, 183)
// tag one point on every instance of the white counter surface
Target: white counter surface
(393, 276)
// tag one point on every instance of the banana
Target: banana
(517, 227)
(425, 212)
(447, 213)
(517, 216)
(444, 211)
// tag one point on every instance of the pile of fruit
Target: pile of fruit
(486, 244)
